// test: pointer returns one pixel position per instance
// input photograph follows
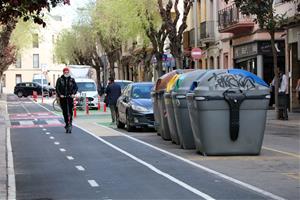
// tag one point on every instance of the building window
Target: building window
(36, 61)
(19, 61)
(35, 40)
(225, 61)
(18, 78)
(4, 80)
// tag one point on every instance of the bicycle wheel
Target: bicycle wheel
(56, 106)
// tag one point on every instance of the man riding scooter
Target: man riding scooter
(66, 88)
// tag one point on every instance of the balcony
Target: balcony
(232, 21)
(207, 31)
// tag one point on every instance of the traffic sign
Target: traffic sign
(196, 53)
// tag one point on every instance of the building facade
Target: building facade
(38, 59)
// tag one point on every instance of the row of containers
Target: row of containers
(216, 112)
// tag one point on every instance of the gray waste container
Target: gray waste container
(228, 112)
(170, 110)
(155, 111)
(159, 89)
(183, 124)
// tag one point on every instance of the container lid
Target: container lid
(185, 81)
(215, 82)
(161, 83)
(172, 82)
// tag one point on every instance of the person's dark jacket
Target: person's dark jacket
(113, 92)
(66, 86)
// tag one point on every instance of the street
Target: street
(102, 162)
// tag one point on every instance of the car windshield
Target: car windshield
(122, 84)
(141, 91)
(83, 87)
(45, 82)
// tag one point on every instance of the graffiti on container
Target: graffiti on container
(225, 80)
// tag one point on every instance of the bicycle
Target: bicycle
(56, 105)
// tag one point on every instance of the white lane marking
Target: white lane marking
(48, 133)
(282, 152)
(26, 123)
(62, 150)
(52, 138)
(80, 168)
(10, 168)
(70, 158)
(44, 129)
(56, 143)
(53, 121)
(156, 170)
(93, 183)
(228, 178)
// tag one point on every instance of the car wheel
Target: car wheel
(118, 122)
(129, 128)
(20, 94)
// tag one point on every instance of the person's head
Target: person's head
(66, 72)
(111, 80)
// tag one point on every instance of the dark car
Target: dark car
(134, 107)
(26, 89)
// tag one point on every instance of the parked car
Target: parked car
(123, 83)
(26, 88)
(87, 88)
(134, 107)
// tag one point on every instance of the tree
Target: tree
(10, 13)
(172, 23)
(155, 30)
(268, 20)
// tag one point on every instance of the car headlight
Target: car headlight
(139, 108)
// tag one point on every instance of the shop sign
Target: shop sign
(265, 47)
(245, 50)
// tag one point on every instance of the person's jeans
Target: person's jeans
(113, 112)
(67, 108)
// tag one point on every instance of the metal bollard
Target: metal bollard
(87, 105)
(99, 106)
(104, 108)
(75, 111)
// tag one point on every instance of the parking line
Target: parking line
(80, 168)
(70, 158)
(93, 183)
(282, 152)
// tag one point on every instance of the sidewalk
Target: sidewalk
(3, 158)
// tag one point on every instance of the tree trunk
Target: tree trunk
(111, 61)
(178, 61)
(274, 52)
(159, 67)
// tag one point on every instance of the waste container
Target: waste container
(181, 112)
(159, 90)
(228, 112)
(170, 110)
(155, 111)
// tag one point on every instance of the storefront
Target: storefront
(257, 58)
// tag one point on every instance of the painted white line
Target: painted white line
(282, 152)
(48, 133)
(228, 178)
(10, 168)
(93, 183)
(70, 158)
(80, 168)
(56, 143)
(26, 123)
(52, 138)
(44, 129)
(151, 167)
(62, 150)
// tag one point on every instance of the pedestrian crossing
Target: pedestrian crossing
(35, 120)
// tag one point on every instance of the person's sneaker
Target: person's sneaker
(70, 129)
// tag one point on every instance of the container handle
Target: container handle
(234, 98)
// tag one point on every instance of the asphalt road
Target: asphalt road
(50, 164)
